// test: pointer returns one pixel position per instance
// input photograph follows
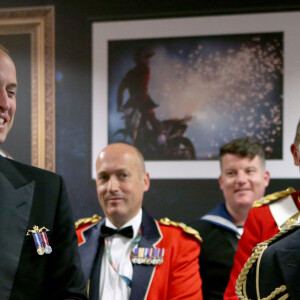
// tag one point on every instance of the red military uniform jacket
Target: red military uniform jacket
(177, 277)
(259, 227)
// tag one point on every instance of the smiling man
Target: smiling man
(129, 255)
(243, 180)
(8, 91)
(38, 246)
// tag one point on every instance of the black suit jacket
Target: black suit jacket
(30, 196)
(280, 265)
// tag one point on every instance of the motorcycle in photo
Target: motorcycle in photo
(169, 144)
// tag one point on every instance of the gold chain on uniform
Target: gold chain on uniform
(240, 288)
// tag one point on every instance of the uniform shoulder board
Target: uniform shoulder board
(185, 228)
(87, 221)
(272, 197)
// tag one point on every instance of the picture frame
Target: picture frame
(38, 24)
(105, 31)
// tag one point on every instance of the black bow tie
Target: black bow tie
(107, 231)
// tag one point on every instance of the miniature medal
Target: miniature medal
(38, 243)
(40, 239)
(147, 256)
(48, 248)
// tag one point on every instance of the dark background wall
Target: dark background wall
(178, 199)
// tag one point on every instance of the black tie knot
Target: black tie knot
(107, 231)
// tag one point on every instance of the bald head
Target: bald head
(121, 182)
(118, 149)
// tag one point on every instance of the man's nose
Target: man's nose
(4, 100)
(241, 177)
(113, 184)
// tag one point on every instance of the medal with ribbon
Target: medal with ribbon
(40, 239)
(147, 256)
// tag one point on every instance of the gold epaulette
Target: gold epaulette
(275, 196)
(85, 221)
(185, 228)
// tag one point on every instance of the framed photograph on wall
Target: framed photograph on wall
(28, 34)
(178, 89)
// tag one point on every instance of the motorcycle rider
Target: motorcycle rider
(136, 81)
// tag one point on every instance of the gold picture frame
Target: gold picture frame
(38, 22)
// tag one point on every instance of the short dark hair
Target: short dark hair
(244, 147)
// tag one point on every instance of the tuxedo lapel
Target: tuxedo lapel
(142, 274)
(16, 196)
(96, 271)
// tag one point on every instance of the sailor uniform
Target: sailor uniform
(220, 238)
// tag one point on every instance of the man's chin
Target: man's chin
(245, 201)
(118, 218)
(116, 212)
(3, 136)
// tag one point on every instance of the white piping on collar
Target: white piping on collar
(221, 221)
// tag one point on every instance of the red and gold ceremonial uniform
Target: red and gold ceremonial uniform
(177, 277)
(259, 227)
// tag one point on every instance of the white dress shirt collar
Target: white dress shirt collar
(112, 286)
(135, 222)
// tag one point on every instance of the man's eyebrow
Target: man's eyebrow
(229, 169)
(100, 173)
(121, 170)
(114, 171)
(13, 85)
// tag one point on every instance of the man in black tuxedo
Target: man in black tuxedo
(33, 203)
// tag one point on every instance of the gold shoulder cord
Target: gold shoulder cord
(185, 228)
(240, 288)
(91, 220)
(88, 288)
(269, 198)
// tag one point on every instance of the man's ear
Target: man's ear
(295, 153)
(221, 182)
(267, 178)
(146, 182)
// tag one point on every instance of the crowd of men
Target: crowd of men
(130, 255)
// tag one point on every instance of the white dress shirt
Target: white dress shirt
(112, 286)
